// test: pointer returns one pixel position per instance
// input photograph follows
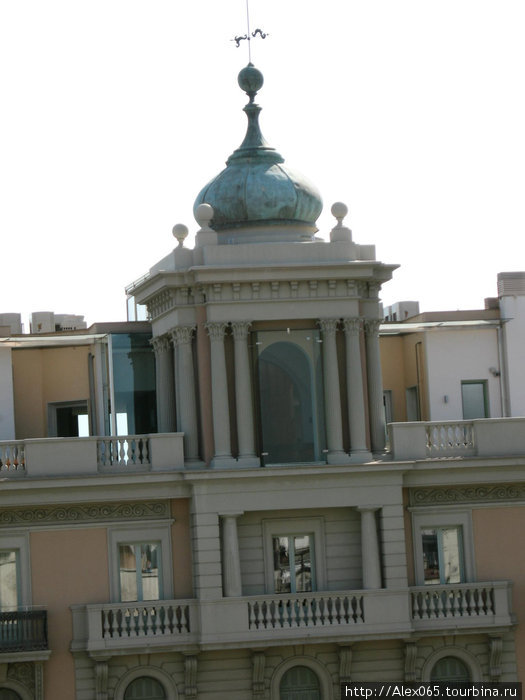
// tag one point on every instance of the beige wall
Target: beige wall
(46, 375)
(68, 567)
(497, 545)
(398, 363)
(181, 543)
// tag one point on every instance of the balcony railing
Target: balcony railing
(91, 455)
(484, 437)
(23, 630)
(274, 619)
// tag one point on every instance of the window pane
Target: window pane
(281, 565)
(450, 668)
(430, 556)
(150, 571)
(303, 564)
(128, 572)
(8, 580)
(473, 398)
(451, 555)
(145, 688)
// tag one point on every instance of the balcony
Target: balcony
(278, 619)
(91, 455)
(484, 437)
(23, 631)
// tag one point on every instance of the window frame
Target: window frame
(450, 518)
(147, 534)
(293, 527)
(19, 542)
(486, 403)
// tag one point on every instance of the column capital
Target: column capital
(161, 343)
(182, 335)
(353, 326)
(372, 326)
(328, 325)
(216, 329)
(240, 329)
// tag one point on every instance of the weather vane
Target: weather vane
(249, 35)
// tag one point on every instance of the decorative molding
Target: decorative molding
(39, 680)
(495, 652)
(410, 662)
(182, 335)
(372, 327)
(216, 330)
(352, 326)
(190, 677)
(84, 513)
(161, 343)
(345, 663)
(240, 329)
(466, 494)
(258, 668)
(328, 326)
(161, 302)
(25, 674)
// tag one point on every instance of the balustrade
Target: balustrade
(123, 451)
(305, 611)
(440, 602)
(12, 456)
(23, 630)
(445, 439)
(145, 620)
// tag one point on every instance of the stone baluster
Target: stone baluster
(219, 397)
(332, 394)
(375, 386)
(355, 394)
(185, 381)
(371, 561)
(231, 561)
(244, 395)
(165, 382)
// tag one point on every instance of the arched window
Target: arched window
(291, 397)
(450, 668)
(299, 683)
(145, 688)
(7, 694)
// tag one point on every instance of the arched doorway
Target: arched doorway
(299, 683)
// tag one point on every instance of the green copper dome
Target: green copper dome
(256, 197)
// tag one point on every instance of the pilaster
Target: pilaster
(185, 380)
(165, 382)
(219, 396)
(371, 561)
(231, 561)
(355, 395)
(244, 396)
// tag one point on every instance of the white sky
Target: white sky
(114, 114)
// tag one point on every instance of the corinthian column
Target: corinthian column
(219, 397)
(375, 386)
(371, 561)
(243, 395)
(165, 382)
(332, 394)
(355, 394)
(185, 381)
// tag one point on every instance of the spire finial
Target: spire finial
(249, 35)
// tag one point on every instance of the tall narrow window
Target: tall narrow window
(290, 396)
(139, 571)
(474, 399)
(9, 580)
(442, 555)
(293, 570)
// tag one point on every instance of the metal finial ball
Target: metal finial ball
(250, 79)
(339, 210)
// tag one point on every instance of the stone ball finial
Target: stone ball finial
(180, 232)
(250, 80)
(339, 210)
(204, 215)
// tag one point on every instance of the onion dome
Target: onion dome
(256, 197)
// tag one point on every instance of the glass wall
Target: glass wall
(290, 396)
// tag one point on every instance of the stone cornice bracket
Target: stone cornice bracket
(353, 326)
(241, 329)
(182, 335)
(101, 680)
(496, 650)
(161, 343)
(345, 663)
(372, 326)
(216, 330)
(258, 668)
(410, 662)
(190, 677)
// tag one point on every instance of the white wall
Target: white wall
(7, 408)
(513, 309)
(456, 355)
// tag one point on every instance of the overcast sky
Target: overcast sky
(114, 114)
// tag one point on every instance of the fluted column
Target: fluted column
(355, 394)
(371, 561)
(219, 397)
(332, 394)
(375, 386)
(185, 381)
(165, 382)
(231, 561)
(243, 395)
